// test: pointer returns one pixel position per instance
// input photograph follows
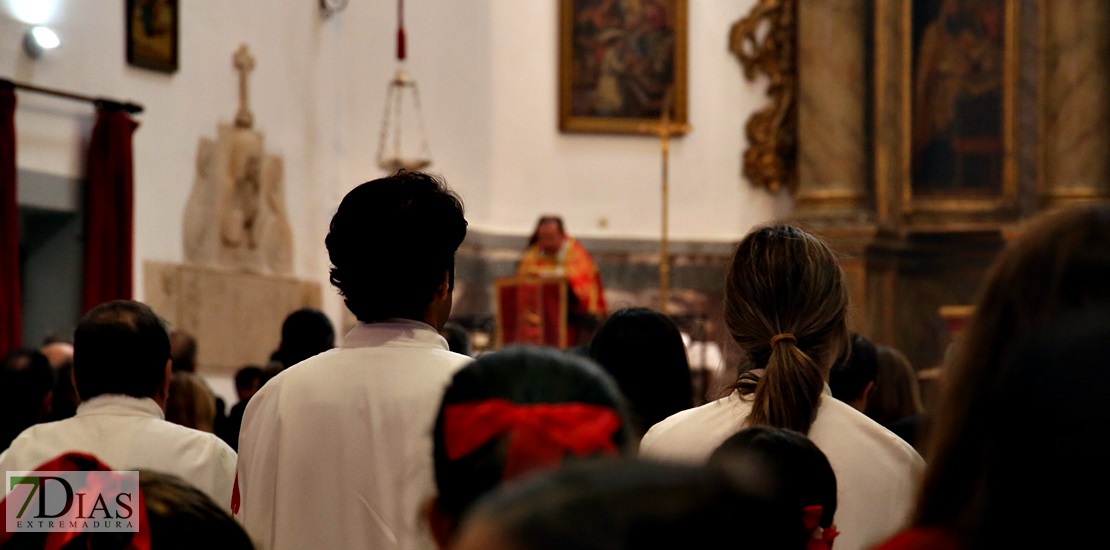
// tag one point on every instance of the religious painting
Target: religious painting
(621, 64)
(946, 74)
(152, 34)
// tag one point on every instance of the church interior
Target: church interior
(916, 138)
(489, 84)
(839, 78)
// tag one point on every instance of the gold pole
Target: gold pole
(664, 254)
(665, 129)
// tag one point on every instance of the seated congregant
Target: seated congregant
(304, 333)
(121, 367)
(514, 413)
(25, 392)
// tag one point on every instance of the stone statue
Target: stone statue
(236, 214)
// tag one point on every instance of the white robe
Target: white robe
(129, 433)
(877, 474)
(336, 451)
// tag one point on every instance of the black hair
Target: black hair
(182, 517)
(525, 376)
(120, 347)
(390, 243)
(643, 351)
(618, 505)
(854, 370)
(458, 339)
(246, 376)
(304, 333)
(1044, 455)
(792, 465)
(25, 380)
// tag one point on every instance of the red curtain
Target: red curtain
(108, 208)
(11, 321)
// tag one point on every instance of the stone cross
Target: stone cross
(244, 63)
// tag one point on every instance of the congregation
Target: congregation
(396, 440)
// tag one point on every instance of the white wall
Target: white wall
(487, 71)
(585, 177)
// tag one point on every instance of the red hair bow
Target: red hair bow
(539, 435)
(58, 540)
(811, 518)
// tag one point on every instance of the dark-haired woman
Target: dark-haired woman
(785, 304)
(643, 351)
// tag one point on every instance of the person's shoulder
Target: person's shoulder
(840, 424)
(692, 434)
(15, 456)
(197, 440)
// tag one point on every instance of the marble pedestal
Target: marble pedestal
(235, 316)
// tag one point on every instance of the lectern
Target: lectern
(532, 310)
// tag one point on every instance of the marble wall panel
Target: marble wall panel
(1076, 100)
(833, 76)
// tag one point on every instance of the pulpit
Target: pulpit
(533, 310)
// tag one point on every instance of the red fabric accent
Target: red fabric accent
(922, 539)
(11, 320)
(530, 312)
(235, 498)
(59, 540)
(109, 209)
(811, 519)
(540, 435)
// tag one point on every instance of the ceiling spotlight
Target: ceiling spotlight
(39, 39)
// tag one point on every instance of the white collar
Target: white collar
(120, 405)
(395, 332)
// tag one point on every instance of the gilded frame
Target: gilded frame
(153, 34)
(626, 120)
(899, 204)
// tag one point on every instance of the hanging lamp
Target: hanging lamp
(402, 100)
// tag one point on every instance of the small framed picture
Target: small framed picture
(152, 34)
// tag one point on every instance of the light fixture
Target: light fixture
(39, 39)
(402, 90)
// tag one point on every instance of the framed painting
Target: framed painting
(621, 64)
(945, 77)
(152, 34)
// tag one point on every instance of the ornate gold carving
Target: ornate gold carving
(765, 41)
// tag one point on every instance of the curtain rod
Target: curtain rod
(99, 101)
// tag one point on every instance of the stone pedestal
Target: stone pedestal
(235, 316)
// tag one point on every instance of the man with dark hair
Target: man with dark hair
(336, 451)
(121, 368)
(853, 375)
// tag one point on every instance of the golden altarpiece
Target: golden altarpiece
(918, 136)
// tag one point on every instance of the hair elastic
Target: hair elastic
(784, 336)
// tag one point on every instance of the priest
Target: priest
(553, 253)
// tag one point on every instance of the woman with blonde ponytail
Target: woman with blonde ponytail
(785, 306)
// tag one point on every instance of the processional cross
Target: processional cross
(244, 63)
(665, 128)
